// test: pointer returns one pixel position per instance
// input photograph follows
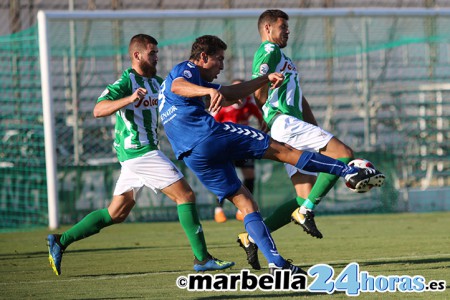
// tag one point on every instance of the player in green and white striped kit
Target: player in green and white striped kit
(134, 100)
(288, 115)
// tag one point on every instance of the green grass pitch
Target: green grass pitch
(143, 261)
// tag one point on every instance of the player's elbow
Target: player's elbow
(176, 89)
(98, 112)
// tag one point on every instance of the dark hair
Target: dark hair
(139, 42)
(271, 16)
(210, 44)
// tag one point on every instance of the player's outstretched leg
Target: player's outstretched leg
(251, 250)
(211, 263)
(305, 219)
(365, 176)
(55, 252)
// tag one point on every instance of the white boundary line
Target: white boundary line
(109, 277)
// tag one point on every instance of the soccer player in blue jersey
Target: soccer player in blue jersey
(209, 148)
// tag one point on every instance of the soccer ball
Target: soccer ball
(360, 163)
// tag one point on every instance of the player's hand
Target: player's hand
(276, 79)
(138, 94)
(216, 99)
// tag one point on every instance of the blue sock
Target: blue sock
(316, 162)
(256, 228)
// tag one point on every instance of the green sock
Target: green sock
(282, 214)
(187, 214)
(89, 225)
(323, 185)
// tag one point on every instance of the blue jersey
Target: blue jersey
(186, 121)
(206, 146)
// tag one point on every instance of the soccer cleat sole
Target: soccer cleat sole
(377, 180)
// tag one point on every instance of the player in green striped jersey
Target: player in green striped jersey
(134, 100)
(288, 115)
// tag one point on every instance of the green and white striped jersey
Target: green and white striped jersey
(286, 99)
(137, 123)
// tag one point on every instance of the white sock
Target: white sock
(303, 209)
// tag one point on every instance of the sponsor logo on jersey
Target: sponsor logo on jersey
(167, 113)
(191, 65)
(263, 69)
(289, 66)
(147, 102)
(187, 74)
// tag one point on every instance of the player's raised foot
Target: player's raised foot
(211, 264)
(364, 177)
(287, 266)
(306, 221)
(55, 252)
(251, 249)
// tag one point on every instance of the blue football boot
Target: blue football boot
(211, 264)
(55, 252)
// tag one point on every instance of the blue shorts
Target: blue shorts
(212, 159)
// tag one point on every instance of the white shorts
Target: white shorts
(153, 170)
(300, 135)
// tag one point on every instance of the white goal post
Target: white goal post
(45, 19)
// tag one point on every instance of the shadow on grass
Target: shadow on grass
(19, 255)
(131, 274)
(400, 261)
(109, 298)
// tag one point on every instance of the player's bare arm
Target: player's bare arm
(108, 107)
(261, 95)
(308, 115)
(187, 89)
(235, 92)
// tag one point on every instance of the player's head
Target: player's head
(208, 53)
(143, 51)
(273, 27)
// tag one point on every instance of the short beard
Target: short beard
(282, 46)
(148, 70)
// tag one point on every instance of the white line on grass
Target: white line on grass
(383, 259)
(107, 277)
(91, 277)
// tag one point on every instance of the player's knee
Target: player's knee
(119, 211)
(120, 215)
(347, 151)
(337, 149)
(189, 196)
(119, 218)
